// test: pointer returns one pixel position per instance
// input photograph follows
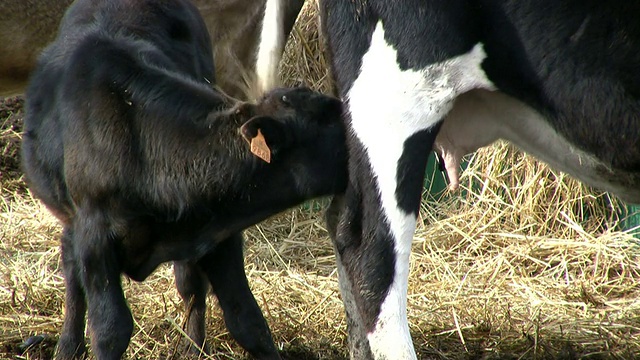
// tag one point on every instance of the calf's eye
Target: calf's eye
(285, 100)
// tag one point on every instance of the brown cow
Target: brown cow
(27, 26)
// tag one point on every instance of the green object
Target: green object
(631, 220)
(435, 181)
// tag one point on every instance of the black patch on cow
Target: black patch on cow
(451, 27)
(427, 32)
(575, 62)
(349, 26)
(411, 168)
(364, 240)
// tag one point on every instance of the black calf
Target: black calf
(144, 163)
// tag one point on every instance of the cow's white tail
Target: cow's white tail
(272, 41)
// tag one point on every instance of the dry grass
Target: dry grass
(527, 263)
(523, 263)
(305, 61)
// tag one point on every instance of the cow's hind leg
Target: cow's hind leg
(71, 343)
(96, 250)
(373, 244)
(395, 119)
(225, 268)
(358, 343)
(192, 286)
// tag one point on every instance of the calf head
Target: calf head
(293, 119)
(296, 139)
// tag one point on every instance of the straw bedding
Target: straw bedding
(522, 263)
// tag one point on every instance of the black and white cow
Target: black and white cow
(558, 78)
(143, 162)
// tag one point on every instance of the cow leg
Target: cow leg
(110, 321)
(71, 343)
(395, 119)
(192, 286)
(225, 268)
(358, 343)
(373, 243)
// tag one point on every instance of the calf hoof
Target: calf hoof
(196, 351)
(70, 348)
(274, 356)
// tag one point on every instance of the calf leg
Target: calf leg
(225, 269)
(110, 320)
(192, 286)
(71, 343)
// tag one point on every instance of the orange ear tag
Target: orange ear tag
(260, 148)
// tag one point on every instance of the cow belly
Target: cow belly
(480, 117)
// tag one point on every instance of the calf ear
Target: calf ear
(264, 134)
(331, 109)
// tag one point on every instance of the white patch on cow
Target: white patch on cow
(271, 46)
(387, 106)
